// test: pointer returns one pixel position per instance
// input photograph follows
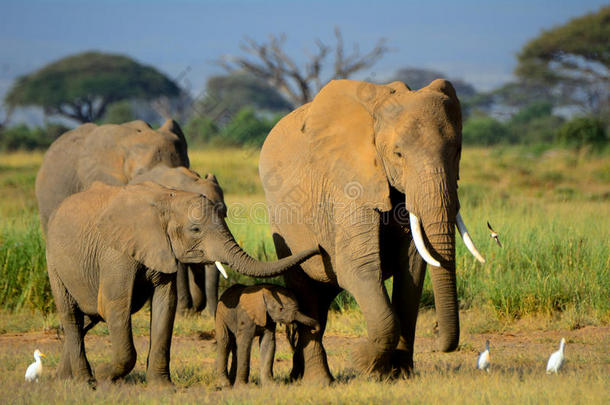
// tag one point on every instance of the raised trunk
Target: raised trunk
(226, 250)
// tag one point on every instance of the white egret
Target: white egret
(34, 370)
(483, 360)
(556, 359)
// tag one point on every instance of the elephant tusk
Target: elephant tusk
(467, 239)
(221, 269)
(419, 241)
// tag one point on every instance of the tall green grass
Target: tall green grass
(551, 211)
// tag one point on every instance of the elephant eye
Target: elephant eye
(398, 154)
(195, 229)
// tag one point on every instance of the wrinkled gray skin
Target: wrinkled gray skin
(197, 284)
(345, 171)
(129, 153)
(245, 312)
(110, 249)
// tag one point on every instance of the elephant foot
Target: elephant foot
(223, 383)
(373, 362)
(402, 364)
(159, 380)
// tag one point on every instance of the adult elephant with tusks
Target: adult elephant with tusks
(369, 172)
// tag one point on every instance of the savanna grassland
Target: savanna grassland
(550, 279)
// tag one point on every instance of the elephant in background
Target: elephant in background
(129, 153)
(113, 154)
(110, 249)
(369, 172)
(245, 312)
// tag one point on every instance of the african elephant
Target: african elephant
(360, 171)
(113, 154)
(111, 248)
(245, 312)
(128, 153)
(197, 284)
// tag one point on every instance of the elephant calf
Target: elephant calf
(245, 312)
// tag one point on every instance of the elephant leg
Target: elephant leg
(196, 286)
(245, 336)
(406, 295)
(211, 288)
(203, 287)
(163, 311)
(73, 361)
(267, 353)
(185, 303)
(309, 360)
(121, 338)
(223, 344)
(359, 272)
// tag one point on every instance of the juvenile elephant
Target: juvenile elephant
(110, 249)
(197, 284)
(360, 171)
(245, 313)
(129, 153)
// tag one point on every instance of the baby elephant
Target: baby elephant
(245, 312)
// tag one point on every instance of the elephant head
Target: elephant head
(409, 141)
(277, 302)
(162, 228)
(181, 178)
(115, 154)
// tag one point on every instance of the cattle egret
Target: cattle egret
(556, 359)
(483, 360)
(34, 370)
(493, 234)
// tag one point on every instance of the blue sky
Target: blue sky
(473, 40)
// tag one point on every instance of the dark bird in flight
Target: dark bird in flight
(493, 234)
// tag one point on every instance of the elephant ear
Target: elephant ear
(135, 222)
(340, 128)
(445, 87)
(173, 127)
(253, 302)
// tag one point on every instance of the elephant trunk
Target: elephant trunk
(225, 249)
(442, 239)
(437, 207)
(307, 321)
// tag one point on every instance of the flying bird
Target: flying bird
(483, 360)
(493, 234)
(34, 370)
(556, 359)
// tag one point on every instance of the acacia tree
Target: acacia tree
(81, 86)
(300, 83)
(572, 61)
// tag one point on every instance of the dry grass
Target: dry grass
(517, 374)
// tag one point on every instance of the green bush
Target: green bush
(200, 130)
(484, 131)
(583, 131)
(118, 113)
(247, 128)
(26, 138)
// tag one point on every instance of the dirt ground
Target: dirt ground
(586, 347)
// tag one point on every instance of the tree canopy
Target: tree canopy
(81, 86)
(227, 94)
(573, 60)
(299, 84)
